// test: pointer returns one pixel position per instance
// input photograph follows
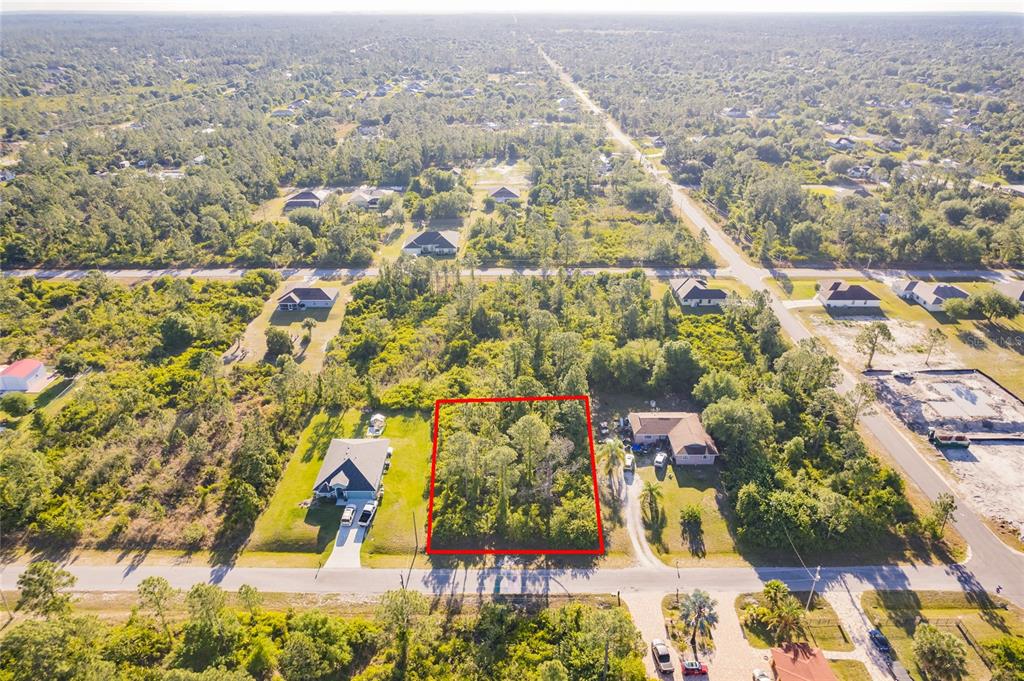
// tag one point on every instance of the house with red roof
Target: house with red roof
(24, 375)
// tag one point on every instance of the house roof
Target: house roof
(356, 465)
(837, 289)
(299, 295)
(929, 291)
(683, 429)
(436, 238)
(23, 368)
(505, 193)
(308, 195)
(1013, 289)
(696, 289)
(800, 662)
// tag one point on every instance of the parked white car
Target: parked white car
(630, 464)
(348, 515)
(660, 459)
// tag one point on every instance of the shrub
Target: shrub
(16, 404)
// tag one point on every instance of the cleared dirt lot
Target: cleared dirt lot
(990, 473)
(907, 351)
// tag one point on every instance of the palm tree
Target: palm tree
(650, 495)
(697, 612)
(612, 457)
(775, 592)
(787, 619)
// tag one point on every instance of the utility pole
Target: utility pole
(814, 581)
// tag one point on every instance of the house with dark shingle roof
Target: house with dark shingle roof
(303, 298)
(693, 292)
(838, 293)
(433, 242)
(307, 198)
(352, 469)
(504, 194)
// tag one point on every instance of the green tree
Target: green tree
(874, 337)
(262, 658)
(611, 458)
(16, 404)
(650, 500)
(699, 618)
(156, 595)
(943, 508)
(786, 619)
(992, 304)
(41, 586)
(552, 670)
(676, 370)
(279, 342)
(941, 655)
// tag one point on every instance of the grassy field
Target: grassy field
(290, 533)
(896, 614)
(821, 624)
(328, 322)
(850, 670)
(396, 237)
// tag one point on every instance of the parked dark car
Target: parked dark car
(879, 640)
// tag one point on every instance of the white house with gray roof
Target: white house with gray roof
(352, 470)
(930, 295)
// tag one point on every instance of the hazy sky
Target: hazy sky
(520, 6)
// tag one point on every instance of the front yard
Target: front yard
(821, 625)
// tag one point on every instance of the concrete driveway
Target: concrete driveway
(347, 544)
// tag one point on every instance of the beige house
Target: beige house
(680, 432)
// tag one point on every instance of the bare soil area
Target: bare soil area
(908, 350)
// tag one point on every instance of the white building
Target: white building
(24, 375)
(692, 292)
(307, 298)
(838, 293)
(681, 432)
(928, 294)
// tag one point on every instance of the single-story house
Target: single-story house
(369, 197)
(352, 469)
(929, 295)
(281, 113)
(842, 144)
(859, 172)
(693, 292)
(838, 293)
(800, 662)
(1012, 289)
(304, 298)
(24, 375)
(307, 198)
(734, 112)
(433, 242)
(504, 194)
(682, 432)
(892, 144)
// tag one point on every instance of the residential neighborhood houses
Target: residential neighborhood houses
(303, 298)
(692, 292)
(681, 433)
(369, 197)
(929, 295)
(838, 293)
(433, 242)
(1014, 290)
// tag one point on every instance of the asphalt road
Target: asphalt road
(992, 563)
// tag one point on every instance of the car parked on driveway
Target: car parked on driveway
(367, 515)
(660, 459)
(694, 668)
(348, 515)
(630, 464)
(662, 659)
(760, 675)
(880, 642)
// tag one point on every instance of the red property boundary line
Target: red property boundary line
(593, 474)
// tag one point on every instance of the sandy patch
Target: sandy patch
(907, 351)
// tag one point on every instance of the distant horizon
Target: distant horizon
(525, 8)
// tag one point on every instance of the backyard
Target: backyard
(821, 625)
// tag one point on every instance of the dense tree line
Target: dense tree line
(795, 469)
(218, 636)
(514, 476)
(155, 443)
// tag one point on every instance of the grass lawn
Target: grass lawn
(401, 521)
(397, 236)
(798, 289)
(896, 613)
(271, 209)
(849, 670)
(289, 533)
(682, 486)
(821, 624)
(328, 322)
